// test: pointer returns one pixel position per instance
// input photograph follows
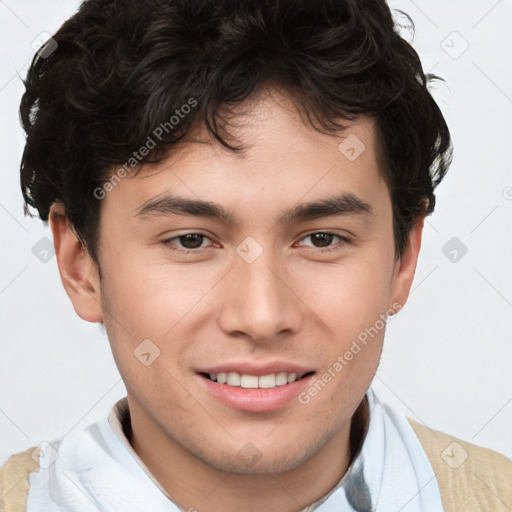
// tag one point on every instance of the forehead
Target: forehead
(284, 162)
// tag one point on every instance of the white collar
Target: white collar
(97, 468)
(370, 481)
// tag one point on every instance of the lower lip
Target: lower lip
(256, 400)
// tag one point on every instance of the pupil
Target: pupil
(189, 242)
(324, 238)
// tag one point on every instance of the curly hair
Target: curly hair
(121, 68)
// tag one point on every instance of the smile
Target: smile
(248, 392)
(246, 381)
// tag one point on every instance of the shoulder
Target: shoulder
(14, 479)
(468, 475)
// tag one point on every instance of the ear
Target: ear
(405, 267)
(77, 270)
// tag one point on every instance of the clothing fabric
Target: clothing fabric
(97, 468)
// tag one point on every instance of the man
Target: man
(236, 191)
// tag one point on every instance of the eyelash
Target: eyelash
(344, 241)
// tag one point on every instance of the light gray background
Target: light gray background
(447, 357)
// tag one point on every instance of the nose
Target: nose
(259, 301)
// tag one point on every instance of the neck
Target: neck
(194, 485)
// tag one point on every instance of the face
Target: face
(285, 275)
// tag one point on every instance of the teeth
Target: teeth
(267, 381)
(233, 379)
(292, 377)
(281, 379)
(249, 381)
(253, 381)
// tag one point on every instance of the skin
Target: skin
(296, 303)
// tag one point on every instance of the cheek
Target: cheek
(150, 296)
(351, 301)
(348, 297)
(153, 301)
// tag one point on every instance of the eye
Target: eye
(190, 242)
(323, 239)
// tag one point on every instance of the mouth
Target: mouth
(247, 381)
(256, 390)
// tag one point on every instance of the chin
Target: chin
(249, 460)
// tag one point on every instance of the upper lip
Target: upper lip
(250, 368)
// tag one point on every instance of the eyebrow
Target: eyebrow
(343, 204)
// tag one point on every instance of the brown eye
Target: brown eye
(191, 241)
(188, 242)
(324, 239)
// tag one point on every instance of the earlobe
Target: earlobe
(77, 270)
(405, 267)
